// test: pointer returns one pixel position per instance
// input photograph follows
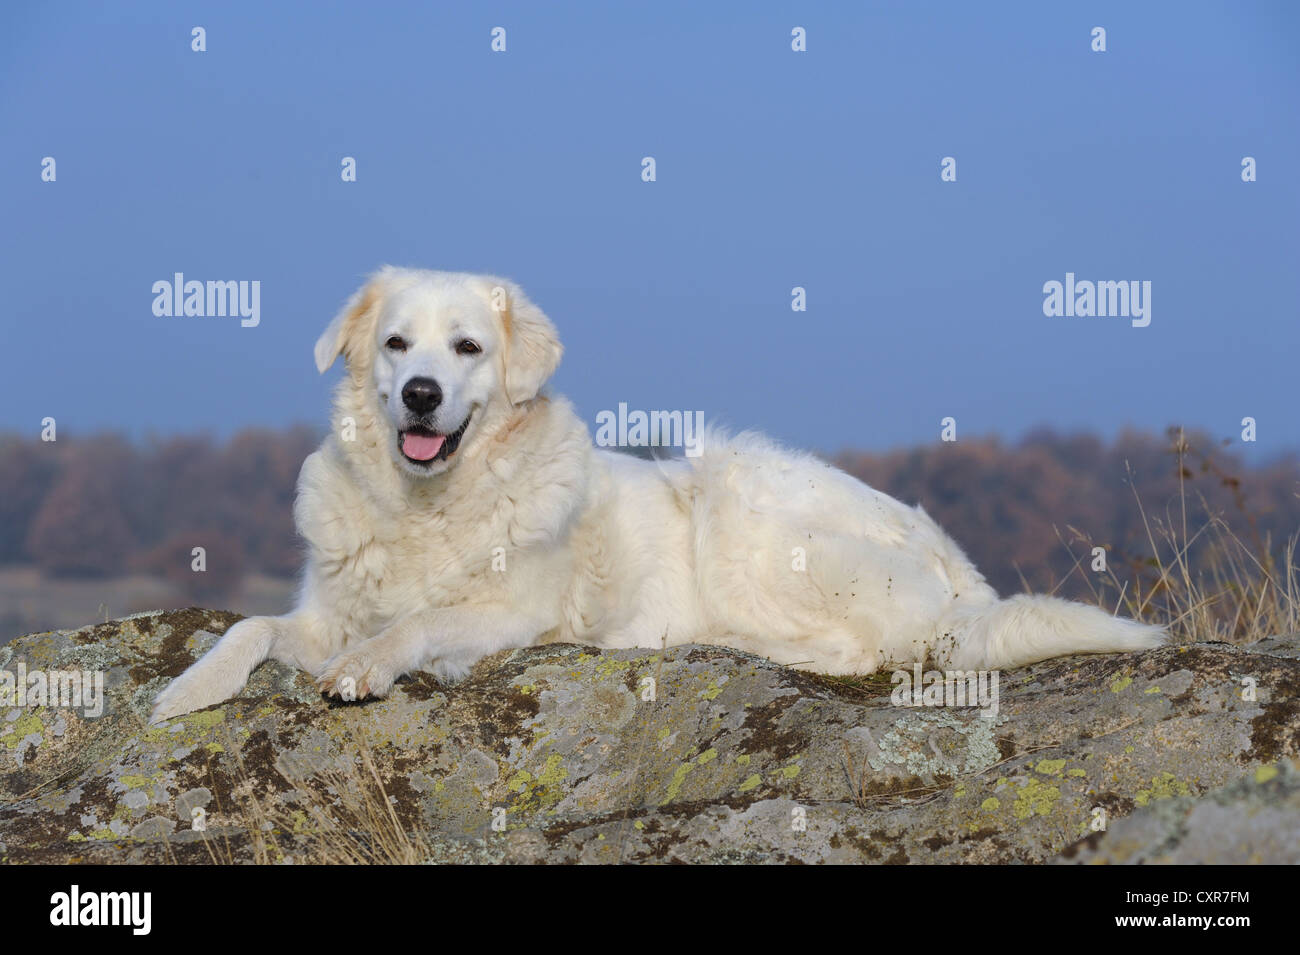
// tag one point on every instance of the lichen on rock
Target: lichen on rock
(557, 754)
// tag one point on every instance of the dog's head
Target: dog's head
(439, 354)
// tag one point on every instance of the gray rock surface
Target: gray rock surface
(559, 754)
(1254, 821)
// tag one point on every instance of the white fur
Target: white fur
(527, 534)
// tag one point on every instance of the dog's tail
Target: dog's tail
(1025, 629)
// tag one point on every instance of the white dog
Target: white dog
(455, 511)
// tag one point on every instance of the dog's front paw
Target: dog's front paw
(197, 687)
(356, 675)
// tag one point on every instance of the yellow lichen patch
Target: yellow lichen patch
(1121, 683)
(1265, 773)
(1035, 799)
(553, 772)
(679, 777)
(992, 804)
(542, 791)
(750, 783)
(204, 719)
(195, 725)
(1164, 786)
(608, 666)
(24, 726)
(1050, 767)
(1151, 689)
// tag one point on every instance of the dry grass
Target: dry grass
(337, 817)
(1201, 580)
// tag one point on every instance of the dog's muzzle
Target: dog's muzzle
(423, 446)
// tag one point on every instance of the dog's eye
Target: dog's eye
(396, 343)
(467, 347)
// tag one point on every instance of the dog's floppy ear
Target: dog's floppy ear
(348, 329)
(532, 346)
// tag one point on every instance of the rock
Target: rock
(1254, 821)
(558, 754)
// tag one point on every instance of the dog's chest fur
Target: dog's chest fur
(496, 531)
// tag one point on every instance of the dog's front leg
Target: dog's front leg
(222, 672)
(448, 641)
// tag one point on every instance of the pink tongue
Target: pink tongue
(422, 447)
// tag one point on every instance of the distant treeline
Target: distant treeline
(103, 506)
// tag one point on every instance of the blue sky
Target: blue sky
(775, 169)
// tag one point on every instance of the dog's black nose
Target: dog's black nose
(421, 395)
